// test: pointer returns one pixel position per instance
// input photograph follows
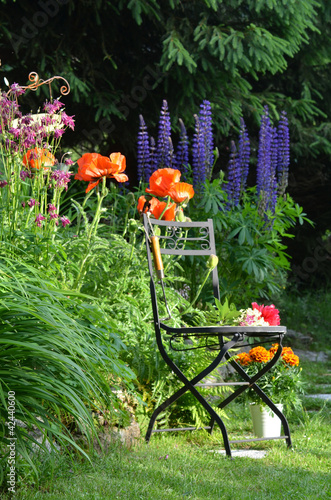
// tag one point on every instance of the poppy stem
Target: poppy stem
(198, 293)
(165, 208)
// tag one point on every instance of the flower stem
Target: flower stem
(198, 292)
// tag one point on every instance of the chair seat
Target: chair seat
(247, 331)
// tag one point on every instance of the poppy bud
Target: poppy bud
(132, 226)
(212, 262)
(130, 198)
(180, 215)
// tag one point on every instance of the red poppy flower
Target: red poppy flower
(269, 313)
(181, 191)
(162, 180)
(156, 207)
(92, 167)
(38, 158)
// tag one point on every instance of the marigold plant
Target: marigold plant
(282, 383)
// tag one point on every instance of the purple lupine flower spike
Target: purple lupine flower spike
(283, 153)
(163, 151)
(153, 157)
(234, 178)
(143, 154)
(243, 155)
(205, 117)
(171, 153)
(273, 169)
(198, 156)
(182, 156)
(264, 161)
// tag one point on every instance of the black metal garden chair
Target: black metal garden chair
(188, 240)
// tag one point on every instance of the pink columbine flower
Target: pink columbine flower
(68, 121)
(16, 89)
(65, 221)
(39, 219)
(53, 107)
(54, 216)
(58, 132)
(31, 202)
(3, 184)
(24, 174)
(61, 178)
(51, 208)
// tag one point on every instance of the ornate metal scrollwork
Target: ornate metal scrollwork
(178, 238)
(38, 82)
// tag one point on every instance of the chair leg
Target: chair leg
(189, 386)
(259, 391)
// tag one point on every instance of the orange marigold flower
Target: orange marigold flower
(289, 357)
(92, 167)
(156, 207)
(273, 349)
(162, 180)
(181, 191)
(287, 349)
(259, 354)
(38, 158)
(243, 359)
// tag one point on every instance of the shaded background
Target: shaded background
(123, 58)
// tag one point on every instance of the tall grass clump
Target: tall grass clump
(53, 360)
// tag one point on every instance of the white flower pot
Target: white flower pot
(265, 421)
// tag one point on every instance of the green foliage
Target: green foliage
(228, 44)
(222, 314)
(251, 249)
(53, 359)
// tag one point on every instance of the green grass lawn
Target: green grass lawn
(185, 465)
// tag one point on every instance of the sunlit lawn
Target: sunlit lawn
(186, 466)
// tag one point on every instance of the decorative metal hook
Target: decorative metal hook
(38, 82)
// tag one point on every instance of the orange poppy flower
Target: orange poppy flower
(92, 167)
(169, 214)
(38, 158)
(145, 206)
(181, 191)
(156, 207)
(162, 180)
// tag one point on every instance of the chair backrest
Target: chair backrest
(182, 239)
